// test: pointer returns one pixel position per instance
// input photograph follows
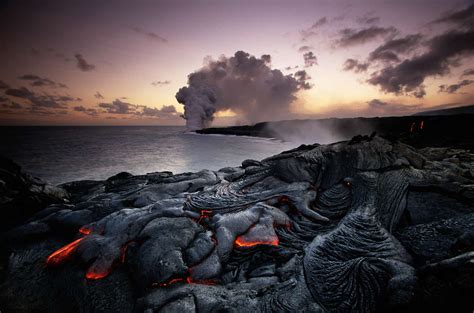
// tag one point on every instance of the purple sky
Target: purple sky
(122, 62)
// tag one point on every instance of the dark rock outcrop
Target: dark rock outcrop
(367, 225)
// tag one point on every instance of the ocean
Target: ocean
(62, 154)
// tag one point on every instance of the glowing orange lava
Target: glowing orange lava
(123, 251)
(96, 275)
(205, 213)
(422, 124)
(240, 242)
(168, 282)
(189, 280)
(85, 231)
(60, 255)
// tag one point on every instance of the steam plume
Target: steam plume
(243, 83)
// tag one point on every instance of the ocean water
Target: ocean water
(63, 154)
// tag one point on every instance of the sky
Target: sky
(98, 62)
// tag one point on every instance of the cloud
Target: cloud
(351, 37)
(243, 83)
(98, 95)
(12, 105)
(368, 19)
(311, 31)
(88, 111)
(302, 79)
(310, 59)
(3, 85)
(464, 17)
(442, 53)
(38, 81)
(390, 50)
(468, 72)
(43, 100)
(82, 63)
(125, 108)
(161, 83)
(149, 35)
(304, 48)
(387, 108)
(454, 87)
(355, 65)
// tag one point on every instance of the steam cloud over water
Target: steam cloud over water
(242, 83)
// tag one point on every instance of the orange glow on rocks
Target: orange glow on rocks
(60, 255)
(169, 282)
(85, 231)
(96, 275)
(240, 242)
(204, 213)
(123, 251)
(189, 280)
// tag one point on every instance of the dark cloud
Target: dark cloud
(368, 19)
(304, 48)
(118, 107)
(124, 108)
(38, 81)
(98, 95)
(266, 58)
(3, 85)
(355, 65)
(390, 50)
(351, 37)
(43, 100)
(464, 17)
(289, 68)
(302, 79)
(310, 59)
(454, 87)
(149, 35)
(88, 111)
(311, 31)
(468, 72)
(242, 83)
(442, 53)
(161, 83)
(3, 99)
(322, 21)
(384, 108)
(82, 63)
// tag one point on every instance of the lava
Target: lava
(169, 282)
(189, 280)
(240, 242)
(204, 214)
(85, 231)
(60, 255)
(412, 127)
(422, 124)
(96, 275)
(123, 251)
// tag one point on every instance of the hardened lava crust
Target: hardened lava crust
(366, 225)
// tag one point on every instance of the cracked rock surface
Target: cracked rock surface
(367, 225)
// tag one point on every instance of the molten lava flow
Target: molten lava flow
(189, 280)
(123, 251)
(60, 255)
(205, 213)
(96, 275)
(422, 124)
(240, 242)
(412, 128)
(168, 282)
(85, 231)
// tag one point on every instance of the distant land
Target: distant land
(468, 109)
(446, 127)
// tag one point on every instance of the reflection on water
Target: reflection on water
(61, 154)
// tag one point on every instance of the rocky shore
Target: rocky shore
(365, 225)
(418, 130)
